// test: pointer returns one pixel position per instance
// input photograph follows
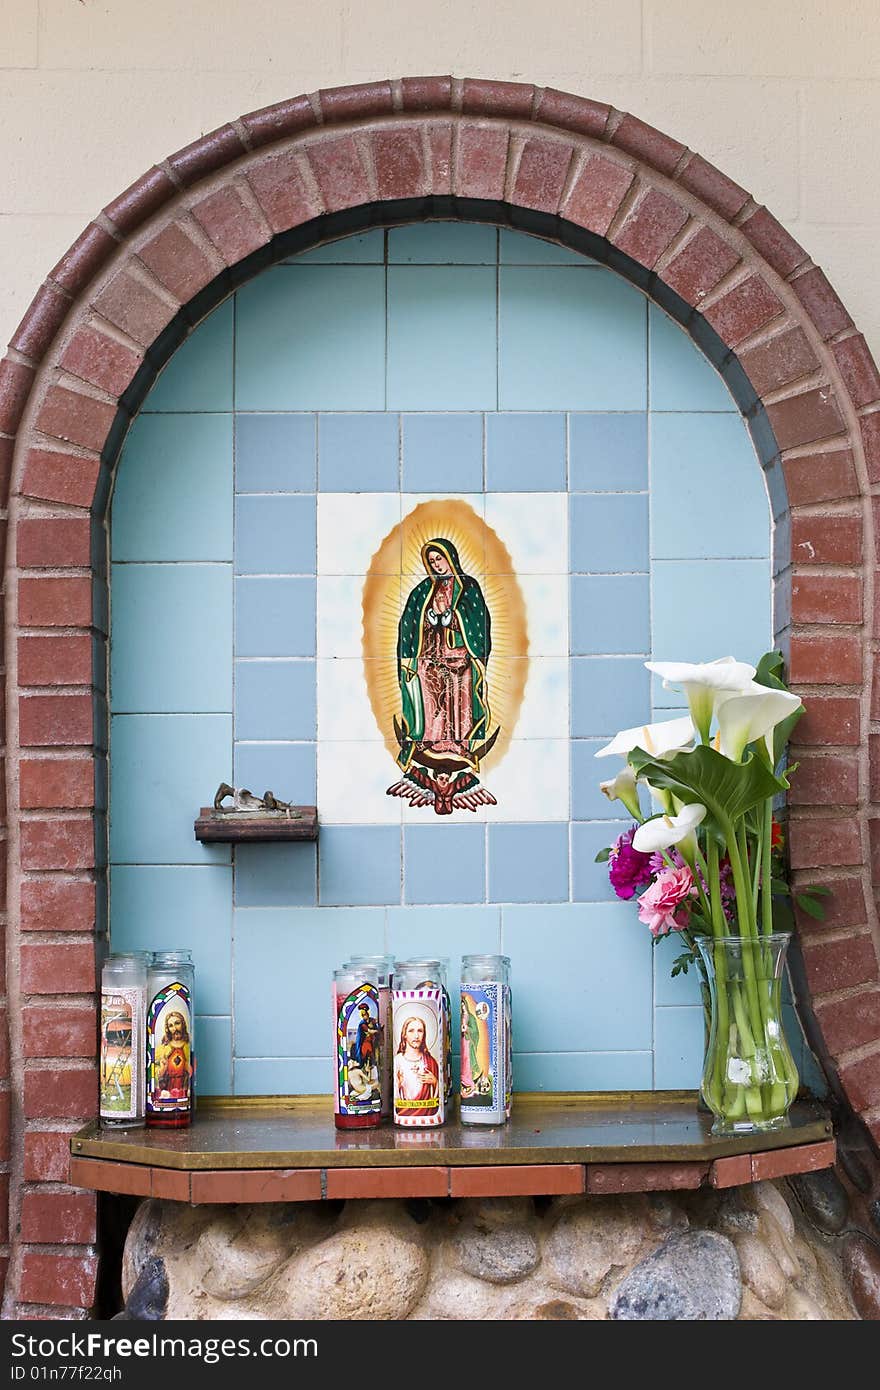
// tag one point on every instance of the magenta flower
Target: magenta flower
(627, 868)
(662, 906)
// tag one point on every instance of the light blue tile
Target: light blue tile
(528, 863)
(589, 880)
(164, 656)
(358, 453)
(609, 533)
(442, 243)
(213, 1057)
(368, 248)
(173, 494)
(441, 338)
(707, 490)
(444, 863)
(581, 978)
(286, 769)
(582, 1071)
(276, 535)
(704, 609)
(518, 248)
(275, 700)
(431, 932)
(276, 875)
(608, 695)
(168, 908)
(608, 453)
(284, 963)
(525, 453)
(571, 339)
(587, 771)
(681, 377)
(199, 375)
(275, 453)
(682, 991)
(283, 364)
(610, 614)
(678, 1049)
(164, 767)
(359, 864)
(443, 453)
(274, 617)
(284, 1076)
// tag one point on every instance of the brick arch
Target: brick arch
(182, 237)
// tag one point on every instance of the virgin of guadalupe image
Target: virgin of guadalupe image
(444, 641)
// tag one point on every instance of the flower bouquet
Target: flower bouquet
(707, 866)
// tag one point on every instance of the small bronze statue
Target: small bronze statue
(244, 800)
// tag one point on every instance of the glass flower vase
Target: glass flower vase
(749, 1075)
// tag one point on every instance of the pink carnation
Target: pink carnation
(661, 906)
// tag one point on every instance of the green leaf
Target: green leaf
(603, 856)
(810, 906)
(727, 789)
(769, 673)
(818, 890)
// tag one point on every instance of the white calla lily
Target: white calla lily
(666, 736)
(624, 788)
(665, 831)
(754, 714)
(707, 685)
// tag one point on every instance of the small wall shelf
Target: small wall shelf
(248, 827)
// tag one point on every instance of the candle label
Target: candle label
(483, 1048)
(121, 1052)
(358, 1052)
(419, 1038)
(508, 1050)
(169, 1051)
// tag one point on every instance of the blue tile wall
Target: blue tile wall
(435, 360)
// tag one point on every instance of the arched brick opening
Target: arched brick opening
(123, 298)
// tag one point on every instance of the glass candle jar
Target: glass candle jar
(486, 1047)
(170, 1040)
(357, 1101)
(419, 1038)
(384, 974)
(123, 1014)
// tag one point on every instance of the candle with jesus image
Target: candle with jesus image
(418, 1023)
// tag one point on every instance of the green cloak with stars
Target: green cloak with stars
(473, 632)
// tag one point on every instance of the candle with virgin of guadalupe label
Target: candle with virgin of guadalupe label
(171, 1056)
(418, 1015)
(486, 1046)
(357, 1100)
(123, 1014)
(384, 972)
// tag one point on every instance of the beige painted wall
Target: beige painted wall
(784, 97)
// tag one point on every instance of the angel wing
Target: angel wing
(470, 800)
(416, 796)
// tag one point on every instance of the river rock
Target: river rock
(692, 1277)
(760, 1270)
(768, 1198)
(244, 1245)
(823, 1198)
(501, 1256)
(591, 1239)
(799, 1307)
(148, 1298)
(861, 1263)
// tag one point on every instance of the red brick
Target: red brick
(140, 200)
(487, 98)
(597, 194)
(58, 969)
(64, 1280)
(818, 843)
(858, 369)
(779, 249)
(83, 259)
(340, 176)
(203, 156)
(869, 426)
(57, 844)
(62, 783)
(830, 660)
(521, 1180)
(440, 151)
(355, 102)
(93, 356)
(230, 224)
(15, 384)
(274, 122)
(861, 1081)
(844, 964)
(4, 1125)
(874, 833)
(782, 360)
(177, 262)
(875, 686)
(169, 1185)
(844, 906)
(53, 542)
(55, 720)
(699, 266)
(61, 1095)
(540, 178)
(281, 192)
(831, 539)
(851, 1022)
(828, 781)
(750, 305)
(826, 598)
(75, 418)
(399, 161)
(643, 141)
(649, 227)
(97, 1175)
(58, 477)
(804, 418)
(820, 477)
(134, 307)
(426, 93)
(7, 449)
(48, 602)
(59, 1218)
(55, 660)
(834, 721)
(260, 1185)
(57, 904)
(45, 314)
(4, 1047)
(46, 1155)
(803, 1158)
(874, 765)
(612, 1178)
(573, 113)
(346, 1183)
(55, 1031)
(713, 187)
(482, 161)
(821, 302)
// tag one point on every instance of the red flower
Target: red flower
(776, 838)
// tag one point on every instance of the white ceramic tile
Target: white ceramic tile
(544, 711)
(351, 527)
(546, 599)
(352, 782)
(531, 781)
(534, 527)
(340, 615)
(344, 710)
